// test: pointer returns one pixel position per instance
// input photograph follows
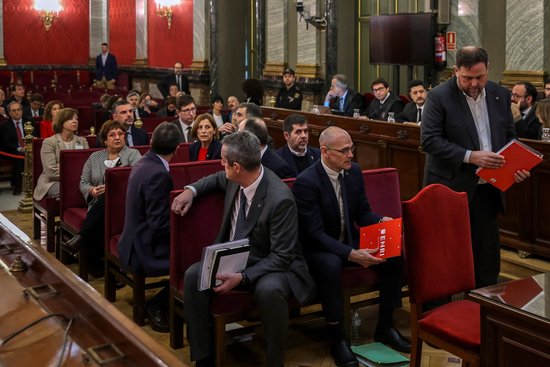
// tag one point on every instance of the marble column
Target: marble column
(201, 35)
(2, 59)
(331, 53)
(276, 37)
(99, 27)
(308, 63)
(214, 77)
(465, 22)
(527, 47)
(141, 33)
(258, 54)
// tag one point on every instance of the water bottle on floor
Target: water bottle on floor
(355, 328)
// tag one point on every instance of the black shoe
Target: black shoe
(72, 246)
(343, 355)
(207, 362)
(97, 270)
(157, 319)
(391, 337)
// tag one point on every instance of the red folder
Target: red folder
(518, 156)
(385, 235)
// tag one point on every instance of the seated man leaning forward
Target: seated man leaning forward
(144, 246)
(332, 186)
(276, 269)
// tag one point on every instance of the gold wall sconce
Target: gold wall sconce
(164, 10)
(48, 10)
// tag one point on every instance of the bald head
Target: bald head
(331, 134)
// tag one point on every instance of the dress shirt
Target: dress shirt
(186, 131)
(478, 108)
(165, 163)
(249, 192)
(297, 154)
(129, 138)
(333, 176)
(104, 58)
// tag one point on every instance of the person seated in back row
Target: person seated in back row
(384, 103)
(413, 110)
(341, 99)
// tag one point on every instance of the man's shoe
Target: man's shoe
(393, 338)
(157, 319)
(72, 246)
(343, 355)
(207, 362)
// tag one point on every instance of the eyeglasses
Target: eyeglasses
(189, 110)
(517, 96)
(344, 151)
(378, 89)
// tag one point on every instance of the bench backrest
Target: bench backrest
(36, 161)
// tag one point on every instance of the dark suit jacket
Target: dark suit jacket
(448, 131)
(182, 136)
(8, 136)
(353, 101)
(225, 116)
(313, 154)
(277, 164)
(214, 151)
(109, 71)
(164, 84)
(144, 246)
(272, 229)
(319, 213)
(377, 111)
(529, 126)
(27, 113)
(409, 113)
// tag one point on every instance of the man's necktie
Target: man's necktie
(419, 115)
(240, 225)
(179, 81)
(188, 135)
(341, 104)
(341, 197)
(129, 138)
(19, 134)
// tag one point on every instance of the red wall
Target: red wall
(122, 30)
(168, 46)
(27, 42)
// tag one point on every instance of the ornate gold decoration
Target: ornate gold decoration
(25, 204)
(164, 10)
(199, 65)
(18, 265)
(274, 68)
(48, 10)
(510, 77)
(308, 70)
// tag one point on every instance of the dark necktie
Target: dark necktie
(19, 134)
(341, 203)
(419, 115)
(179, 82)
(240, 225)
(129, 138)
(188, 136)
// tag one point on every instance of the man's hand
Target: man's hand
(330, 95)
(229, 281)
(521, 175)
(182, 202)
(364, 257)
(227, 128)
(486, 159)
(386, 219)
(516, 112)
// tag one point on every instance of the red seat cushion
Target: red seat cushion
(456, 322)
(73, 217)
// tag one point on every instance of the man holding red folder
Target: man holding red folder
(464, 122)
(331, 203)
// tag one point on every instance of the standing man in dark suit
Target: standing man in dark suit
(35, 110)
(275, 269)
(187, 111)
(124, 113)
(11, 141)
(270, 159)
(524, 109)
(289, 96)
(106, 68)
(144, 246)
(296, 152)
(174, 79)
(331, 206)
(413, 110)
(465, 121)
(384, 102)
(341, 99)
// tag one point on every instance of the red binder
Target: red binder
(385, 235)
(518, 156)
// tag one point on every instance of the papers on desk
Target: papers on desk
(378, 355)
(222, 258)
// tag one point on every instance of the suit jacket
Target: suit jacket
(319, 212)
(272, 229)
(214, 151)
(409, 113)
(182, 135)
(144, 246)
(377, 111)
(448, 131)
(353, 101)
(529, 127)
(109, 71)
(164, 84)
(49, 155)
(277, 164)
(8, 136)
(27, 113)
(139, 136)
(313, 154)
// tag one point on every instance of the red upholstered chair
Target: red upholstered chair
(438, 253)
(46, 210)
(72, 206)
(404, 99)
(150, 123)
(182, 153)
(367, 98)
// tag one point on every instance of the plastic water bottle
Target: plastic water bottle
(356, 114)
(545, 134)
(391, 116)
(355, 327)
(315, 110)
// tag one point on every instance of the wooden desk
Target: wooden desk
(95, 321)
(515, 322)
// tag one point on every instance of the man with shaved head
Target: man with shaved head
(332, 204)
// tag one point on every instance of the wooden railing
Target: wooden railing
(525, 225)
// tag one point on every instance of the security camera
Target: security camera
(300, 6)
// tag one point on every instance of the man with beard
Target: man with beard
(524, 97)
(123, 113)
(289, 96)
(413, 110)
(465, 121)
(178, 79)
(296, 152)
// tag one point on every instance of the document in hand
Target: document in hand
(222, 258)
(385, 235)
(518, 156)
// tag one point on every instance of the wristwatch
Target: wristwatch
(244, 280)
